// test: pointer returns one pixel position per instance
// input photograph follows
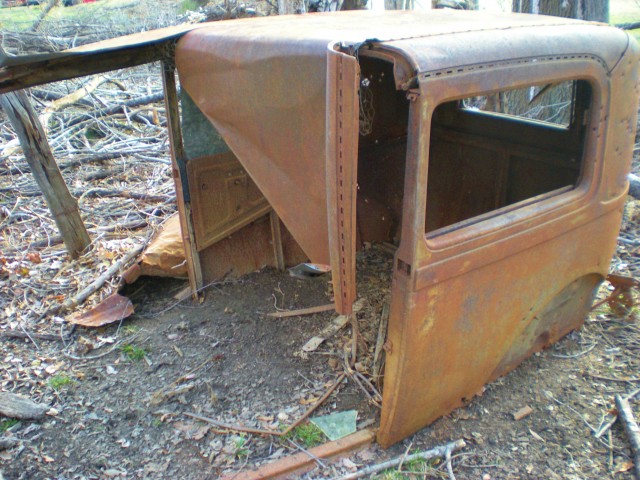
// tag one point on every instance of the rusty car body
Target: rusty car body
(491, 150)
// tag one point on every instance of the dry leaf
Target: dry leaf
(112, 309)
(624, 467)
(34, 257)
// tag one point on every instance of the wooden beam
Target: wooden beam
(179, 170)
(22, 71)
(32, 70)
(276, 240)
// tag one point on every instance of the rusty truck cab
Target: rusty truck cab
(503, 193)
(491, 151)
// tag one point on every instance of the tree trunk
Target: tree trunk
(287, 7)
(45, 11)
(45, 171)
(595, 10)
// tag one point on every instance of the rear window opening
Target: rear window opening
(506, 149)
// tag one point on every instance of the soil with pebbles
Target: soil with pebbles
(224, 358)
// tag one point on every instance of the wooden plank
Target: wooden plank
(41, 69)
(179, 163)
(122, 52)
(302, 311)
(276, 240)
(293, 466)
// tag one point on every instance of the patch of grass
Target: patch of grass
(188, 6)
(415, 469)
(133, 352)
(308, 435)
(616, 18)
(7, 423)
(240, 446)
(21, 18)
(130, 329)
(58, 382)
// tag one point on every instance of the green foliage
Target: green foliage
(308, 435)
(130, 329)
(7, 423)
(240, 446)
(60, 381)
(188, 6)
(21, 18)
(133, 352)
(414, 469)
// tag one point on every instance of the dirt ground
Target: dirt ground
(123, 416)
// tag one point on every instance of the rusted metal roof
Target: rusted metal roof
(262, 83)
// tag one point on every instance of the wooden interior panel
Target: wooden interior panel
(482, 162)
(247, 250)
(223, 198)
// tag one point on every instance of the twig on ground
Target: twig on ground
(97, 283)
(236, 428)
(611, 418)
(382, 335)
(320, 463)
(625, 414)
(159, 396)
(441, 451)
(302, 311)
(316, 405)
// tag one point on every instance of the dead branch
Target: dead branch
(103, 112)
(236, 428)
(106, 192)
(71, 99)
(240, 428)
(611, 417)
(628, 26)
(17, 406)
(382, 335)
(166, 392)
(441, 451)
(45, 11)
(37, 336)
(97, 283)
(625, 414)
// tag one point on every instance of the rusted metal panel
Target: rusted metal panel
(343, 78)
(262, 83)
(472, 303)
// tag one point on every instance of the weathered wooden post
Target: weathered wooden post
(46, 172)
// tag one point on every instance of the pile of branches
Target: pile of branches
(50, 33)
(108, 136)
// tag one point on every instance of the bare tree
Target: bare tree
(597, 10)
